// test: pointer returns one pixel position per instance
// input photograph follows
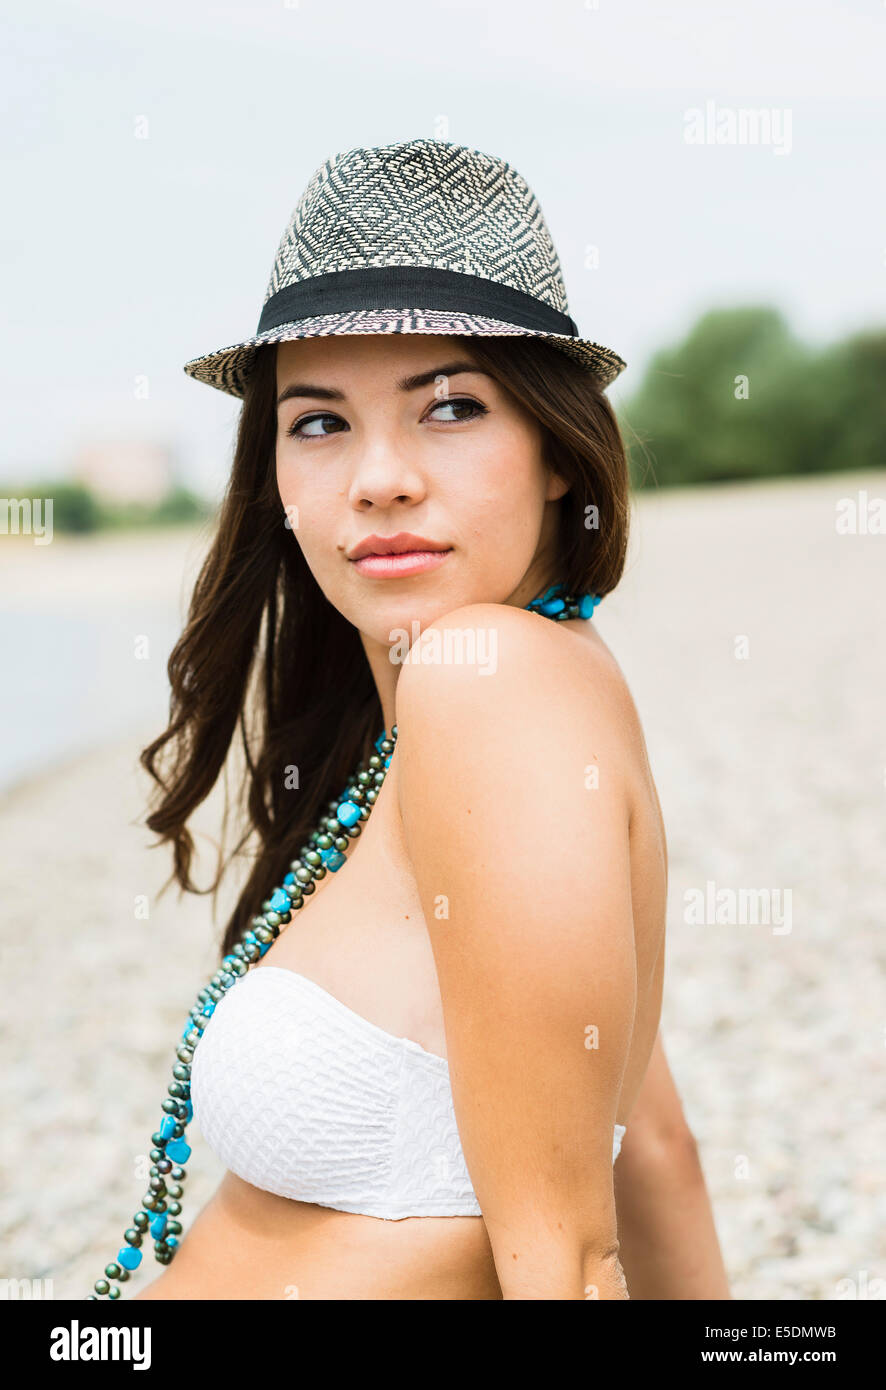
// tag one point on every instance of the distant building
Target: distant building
(127, 470)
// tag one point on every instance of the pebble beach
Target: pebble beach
(751, 632)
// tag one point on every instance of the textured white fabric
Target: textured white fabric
(301, 1096)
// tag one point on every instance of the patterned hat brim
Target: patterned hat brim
(228, 369)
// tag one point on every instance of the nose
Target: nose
(383, 473)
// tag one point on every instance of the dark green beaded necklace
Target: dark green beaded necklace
(325, 849)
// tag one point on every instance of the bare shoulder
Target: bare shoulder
(528, 675)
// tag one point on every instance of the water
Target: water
(73, 681)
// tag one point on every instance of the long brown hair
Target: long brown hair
(264, 649)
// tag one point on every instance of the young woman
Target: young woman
(426, 1046)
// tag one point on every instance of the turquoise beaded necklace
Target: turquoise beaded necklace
(161, 1204)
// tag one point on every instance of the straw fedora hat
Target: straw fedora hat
(422, 236)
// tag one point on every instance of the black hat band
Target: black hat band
(414, 287)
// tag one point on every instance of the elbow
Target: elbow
(589, 1270)
(603, 1276)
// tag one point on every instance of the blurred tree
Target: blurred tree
(179, 504)
(74, 507)
(844, 396)
(741, 397)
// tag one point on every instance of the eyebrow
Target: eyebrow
(407, 383)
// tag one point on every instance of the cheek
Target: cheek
(312, 513)
(291, 498)
(507, 488)
(286, 479)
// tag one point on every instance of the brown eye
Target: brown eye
(457, 403)
(296, 428)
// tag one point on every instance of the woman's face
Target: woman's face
(389, 433)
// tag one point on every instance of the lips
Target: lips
(402, 565)
(404, 542)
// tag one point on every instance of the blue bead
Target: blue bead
(158, 1225)
(209, 1011)
(250, 936)
(555, 605)
(554, 589)
(129, 1257)
(190, 1109)
(388, 760)
(178, 1151)
(280, 900)
(333, 859)
(167, 1128)
(290, 878)
(263, 946)
(348, 813)
(172, 1242)
(586, 605)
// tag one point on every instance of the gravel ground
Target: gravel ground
(771, 768)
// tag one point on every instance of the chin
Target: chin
(389, 619)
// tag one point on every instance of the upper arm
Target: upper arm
(522, 866)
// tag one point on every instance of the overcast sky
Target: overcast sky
(125, 257)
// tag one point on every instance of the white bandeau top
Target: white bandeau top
(299, 1095)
